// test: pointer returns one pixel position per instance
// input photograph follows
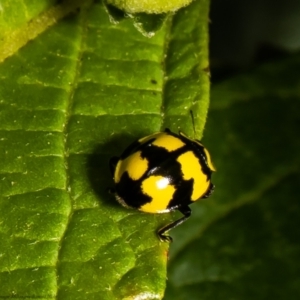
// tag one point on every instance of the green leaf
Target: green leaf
(151, 7)
(16, 14)
(70, 99)
(244, 242)
(24, 21)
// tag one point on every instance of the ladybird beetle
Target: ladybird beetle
(163, 172)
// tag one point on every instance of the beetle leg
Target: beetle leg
(186, 211)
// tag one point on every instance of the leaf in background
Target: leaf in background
(244, 242)
(23, 22)
(15, 16)
(69, 100)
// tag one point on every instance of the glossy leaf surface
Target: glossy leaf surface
(71, 98)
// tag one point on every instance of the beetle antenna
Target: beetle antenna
(193, 122)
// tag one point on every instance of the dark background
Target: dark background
(245, 33)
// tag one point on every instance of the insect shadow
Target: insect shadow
(98, 170)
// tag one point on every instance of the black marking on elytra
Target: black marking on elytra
(130, 191)
(199, 152)
(182, 195)
(130, 149)
(209, 191)
(162, 162)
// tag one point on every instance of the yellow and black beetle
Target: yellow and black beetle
(163, 172)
